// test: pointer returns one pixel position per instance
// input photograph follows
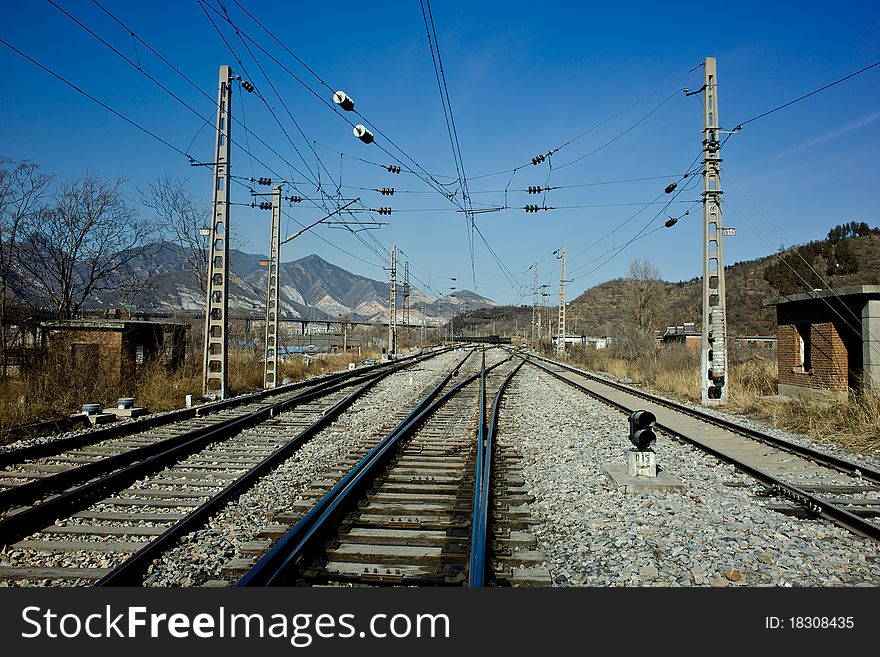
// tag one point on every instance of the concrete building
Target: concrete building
(116, 346)
(759, 342)
(828, 341)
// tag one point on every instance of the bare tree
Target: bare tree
(80, 246)
(137, 279)
(22, 190)
(181, 220)
(643, 295)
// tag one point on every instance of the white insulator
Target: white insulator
(718, 364)
(716, 328)
(363, 134)
(343, 100)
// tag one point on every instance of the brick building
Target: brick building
(116, 346)
(684, 334)
(828, 341)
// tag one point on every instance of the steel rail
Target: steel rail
(482, 487)
(828, 460)
(275, 568)
(84, 439)
(132, 571)
(811, 502)
(478, 475)
(34, 490)
(25, 522)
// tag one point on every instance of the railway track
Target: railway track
(417, 509)
(129, 498)
(801, 481)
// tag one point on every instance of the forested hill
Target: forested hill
(850, 256)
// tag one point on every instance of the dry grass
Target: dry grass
(55, 390)
(853, 423)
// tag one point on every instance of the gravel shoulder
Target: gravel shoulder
(717, 533)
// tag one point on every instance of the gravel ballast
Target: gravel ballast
(202, 554)
(716, 533)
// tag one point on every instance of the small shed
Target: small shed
(116, 346)
(828, 340)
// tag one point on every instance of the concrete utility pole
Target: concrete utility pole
(406, 299)
(424, 322)
(270, 376)
(560, 336)
(713, 359)
(392, 305)
(217, 298)
(536, 331)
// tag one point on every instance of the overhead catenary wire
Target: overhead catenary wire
(807, 95)
(430, 180)
(203, 5)
(142, 128)
(598, 125)
(281, 100)
(445, 101)
(317, 182)
(425, 176)
(809, 288)
(95, 100)
(623, 133)
(195, 86)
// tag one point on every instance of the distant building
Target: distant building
(762, 342)
(685, 334)
(117, 346)
(585, 340)
(828, 340)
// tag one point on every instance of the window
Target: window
(803, 362)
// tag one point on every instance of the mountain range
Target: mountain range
(309, 287)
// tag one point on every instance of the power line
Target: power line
(618, 250)
(319, 188)
(428, 178)
(809, 289)
(281, 100)
(92, 98)
(238, 59)
(445, 101)
(598, 125)
(629, 129)
(149, 132)
(812, 93)
(197, 88)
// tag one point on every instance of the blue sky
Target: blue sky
(523, 79)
